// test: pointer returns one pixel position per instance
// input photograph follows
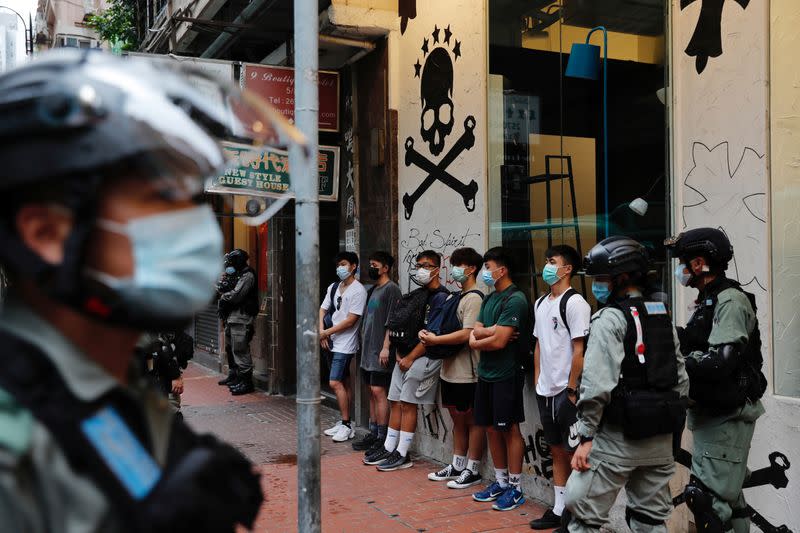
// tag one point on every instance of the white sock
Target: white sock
(474, 466)
(392, 435)
(501, 475)
(459, 462)
(558, 508)
(405, 441)
(514, 480)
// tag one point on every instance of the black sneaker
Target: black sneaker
(365, 442)
(377, 445)
(446, 473)
(395, 461)
(467, 479)
(548, 520)
(377, 457)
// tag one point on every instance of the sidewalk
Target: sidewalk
(355, 497)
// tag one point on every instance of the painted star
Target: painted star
(417, 67)
(425, 46)
(435, 34)
(447, 34)
(457, 49)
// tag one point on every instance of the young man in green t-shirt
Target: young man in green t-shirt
(500, 335)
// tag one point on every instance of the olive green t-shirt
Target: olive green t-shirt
(506, 308)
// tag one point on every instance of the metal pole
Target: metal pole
(305, 178)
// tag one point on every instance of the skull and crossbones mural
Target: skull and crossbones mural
(441, 51)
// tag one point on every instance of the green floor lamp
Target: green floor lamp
(584, 62)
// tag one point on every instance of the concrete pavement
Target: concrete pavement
(355, 497)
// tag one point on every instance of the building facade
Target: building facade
(61, 23)
(459, 126)
(8, 40)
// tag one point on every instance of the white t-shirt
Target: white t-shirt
(555, 344)
(354, 299)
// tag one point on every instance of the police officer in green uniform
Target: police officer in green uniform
(103, 159)
(722, 346)
(632, 397)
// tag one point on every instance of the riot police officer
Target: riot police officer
(632, 397)
(238, 307)
(722, 346)
(103, 160)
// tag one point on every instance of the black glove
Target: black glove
(212, 489)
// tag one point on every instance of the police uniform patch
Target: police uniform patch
(655, 308)
(122, 451)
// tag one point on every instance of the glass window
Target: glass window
(547, 141)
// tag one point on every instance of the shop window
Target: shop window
(546, 136)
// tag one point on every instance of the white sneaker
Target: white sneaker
(331, 431)
(344, 433)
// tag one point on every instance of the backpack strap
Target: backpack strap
(563, 307)
(473, 291)
(334, 288)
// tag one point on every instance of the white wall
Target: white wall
(440, 220)
(720, 178)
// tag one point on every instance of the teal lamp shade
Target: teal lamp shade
(584, 61)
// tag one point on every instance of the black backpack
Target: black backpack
(446, 321)
(406, 319)
(327, 320)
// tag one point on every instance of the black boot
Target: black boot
(230, 379)
(245, 385)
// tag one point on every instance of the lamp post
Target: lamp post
(584, 62)
(27, 28)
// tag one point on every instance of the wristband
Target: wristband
(586, 439)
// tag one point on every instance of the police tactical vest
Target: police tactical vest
(747, 382)
(250, 303)
(108, 442)
(644, 403)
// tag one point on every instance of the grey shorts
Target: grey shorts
(418, 385)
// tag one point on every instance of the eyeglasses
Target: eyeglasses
(338, 303)
(426, 266)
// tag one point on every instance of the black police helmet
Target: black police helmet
(616, 255)
(711, 243)
(237, 258)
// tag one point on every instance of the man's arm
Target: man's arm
(345, 324)
(239, 292)
(577, 362)
(499, 340)
(604, 355)
(322, 313)
(536, 363)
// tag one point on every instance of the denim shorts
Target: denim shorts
(339, 364)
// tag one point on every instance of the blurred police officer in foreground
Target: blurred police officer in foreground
(238, 307)
(101, 160)
(722, 345)
(632, 397)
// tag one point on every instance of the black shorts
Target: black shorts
(559, 420)
(376, 379)
(458, 396)
(499, 403)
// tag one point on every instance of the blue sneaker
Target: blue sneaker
(490, 494)
(509, 500)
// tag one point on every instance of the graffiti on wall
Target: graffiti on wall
(407, 9)
(728, 188)
(433, 422)
(706, 40)
(537, 455)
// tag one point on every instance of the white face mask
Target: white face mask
(422, 277)
(175, 256)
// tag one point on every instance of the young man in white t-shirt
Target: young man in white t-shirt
(560, 330)
(459, 374)
(343, 337)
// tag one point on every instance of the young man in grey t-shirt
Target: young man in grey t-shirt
(377, 362)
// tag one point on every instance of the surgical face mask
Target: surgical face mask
(343, 272)
(487, 277)
(458, 274)
(230, 271)
(422, 277)
(682, 275)
(550, 274)
(601, 291)
(175, 257)
(374, 273)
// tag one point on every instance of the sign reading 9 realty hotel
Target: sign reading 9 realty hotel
(442, 131)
